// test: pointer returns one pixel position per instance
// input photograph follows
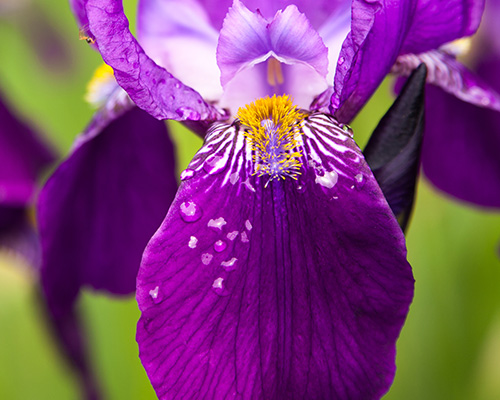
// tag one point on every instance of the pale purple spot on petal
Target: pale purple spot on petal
(244, 237)
(220, 246)
(190, 212)
(328, 180)
(248, 225)
(206, 258)
(217, 223)
(229, 265)
(192, 242)
(232, 235)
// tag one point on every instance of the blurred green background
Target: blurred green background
(449, 348)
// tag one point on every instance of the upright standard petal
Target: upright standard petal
(383, 29)
(247, 38)
(150, 86)
(178, 36)
(100, 207)
(262, 288)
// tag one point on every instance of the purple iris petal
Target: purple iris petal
(23, 156)
(460, 150)
(167, 28)
(383, 30)
(150, 86)
(100, 207)
(248, 38)
(269, 290)
(317, 11)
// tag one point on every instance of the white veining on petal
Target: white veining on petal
(217, 223)
(192, 242)
(186, 174)
(215, 164)
(248, 185)
(206, 258)
(327, 149)
(225, 151)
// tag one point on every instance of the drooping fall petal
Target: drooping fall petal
(272, 289)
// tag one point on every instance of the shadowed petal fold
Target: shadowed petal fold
(263, 289)
(150, 86)
(100, 207)
(381, 30)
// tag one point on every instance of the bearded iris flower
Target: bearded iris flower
(280, 270)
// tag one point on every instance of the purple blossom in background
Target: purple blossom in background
(280, 270)
(460, 150)
(23, 156)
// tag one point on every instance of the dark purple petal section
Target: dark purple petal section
(22, 158)
(382, 30)
(316, 11)
(460, 150)
(101, 206)
(393, 151)
(274, 290)
(17, 235)
(434, 23)
(150, 86)
(68, 331)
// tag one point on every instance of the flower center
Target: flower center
(273, 124)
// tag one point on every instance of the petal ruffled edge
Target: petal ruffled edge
(382, 30)
(150, 86)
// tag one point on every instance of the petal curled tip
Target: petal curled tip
(376, 40)
(393, 151)
(228, 282)
(150, 86)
